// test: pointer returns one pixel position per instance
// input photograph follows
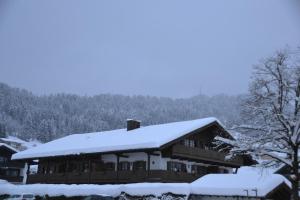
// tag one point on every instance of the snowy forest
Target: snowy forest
(47, 117)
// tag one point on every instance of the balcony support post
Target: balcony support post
(47, 171)
(118, 162)
(90, 169)
(148, 164)
(66, 170)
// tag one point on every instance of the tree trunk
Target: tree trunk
(295, 185)
(295, 172)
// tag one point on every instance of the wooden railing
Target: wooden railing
(114, 177)
(205, 154)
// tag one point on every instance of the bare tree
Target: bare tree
(273, 105)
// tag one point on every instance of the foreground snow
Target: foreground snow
(138, 189)
(211, 184)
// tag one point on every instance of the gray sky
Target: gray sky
(162, 48)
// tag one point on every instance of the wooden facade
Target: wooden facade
(10, 170)
(182, 160)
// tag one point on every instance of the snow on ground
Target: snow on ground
(137, 189)
(115, 140)
(212, 184)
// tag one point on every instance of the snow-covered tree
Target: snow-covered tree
(273, 108)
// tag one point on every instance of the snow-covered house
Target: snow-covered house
(11, 171)
(173, 152)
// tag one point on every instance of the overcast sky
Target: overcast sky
(161, 48)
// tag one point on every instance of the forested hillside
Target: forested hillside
(48, 117)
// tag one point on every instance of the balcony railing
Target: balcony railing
(114, 177)
(206, 155)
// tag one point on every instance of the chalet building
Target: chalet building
(173, 152)
(11, 171)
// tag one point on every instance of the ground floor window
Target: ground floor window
(139, 166)
(61, 168)
(110, 166)
(176, 166)
(12, 172)
(124, 166)
(196, 169)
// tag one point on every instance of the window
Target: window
(61, 168)
(3, 159)
(124, 166)
(110, 166)
(189, 143)
(176, 166)
(73, 167)
(98, 166)
(85, 167)
(12, 173)
(196, 169)
(139, 166)
(52, 169)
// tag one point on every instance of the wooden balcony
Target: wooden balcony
(114, 177)
(181, 151)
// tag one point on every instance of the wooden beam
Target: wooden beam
(118, 162)
(66, 170)
(153, 154)
(122, 155)
(148, 164)
(90, 170)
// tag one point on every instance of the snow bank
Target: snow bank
(211, 184)
(115, 140)
(138, 189)
(237, 184)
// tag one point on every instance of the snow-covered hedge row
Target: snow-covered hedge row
(130, 191)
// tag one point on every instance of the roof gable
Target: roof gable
(6, 146)
(148, 137)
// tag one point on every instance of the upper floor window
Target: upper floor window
(176, 166)
(189, 143)
(3, 159)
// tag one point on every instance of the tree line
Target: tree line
(48, 117)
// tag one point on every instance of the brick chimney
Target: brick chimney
(133, 124)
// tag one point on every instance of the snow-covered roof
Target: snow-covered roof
(27, 145)
(148, 137)
(9, 147)
(244, 184)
